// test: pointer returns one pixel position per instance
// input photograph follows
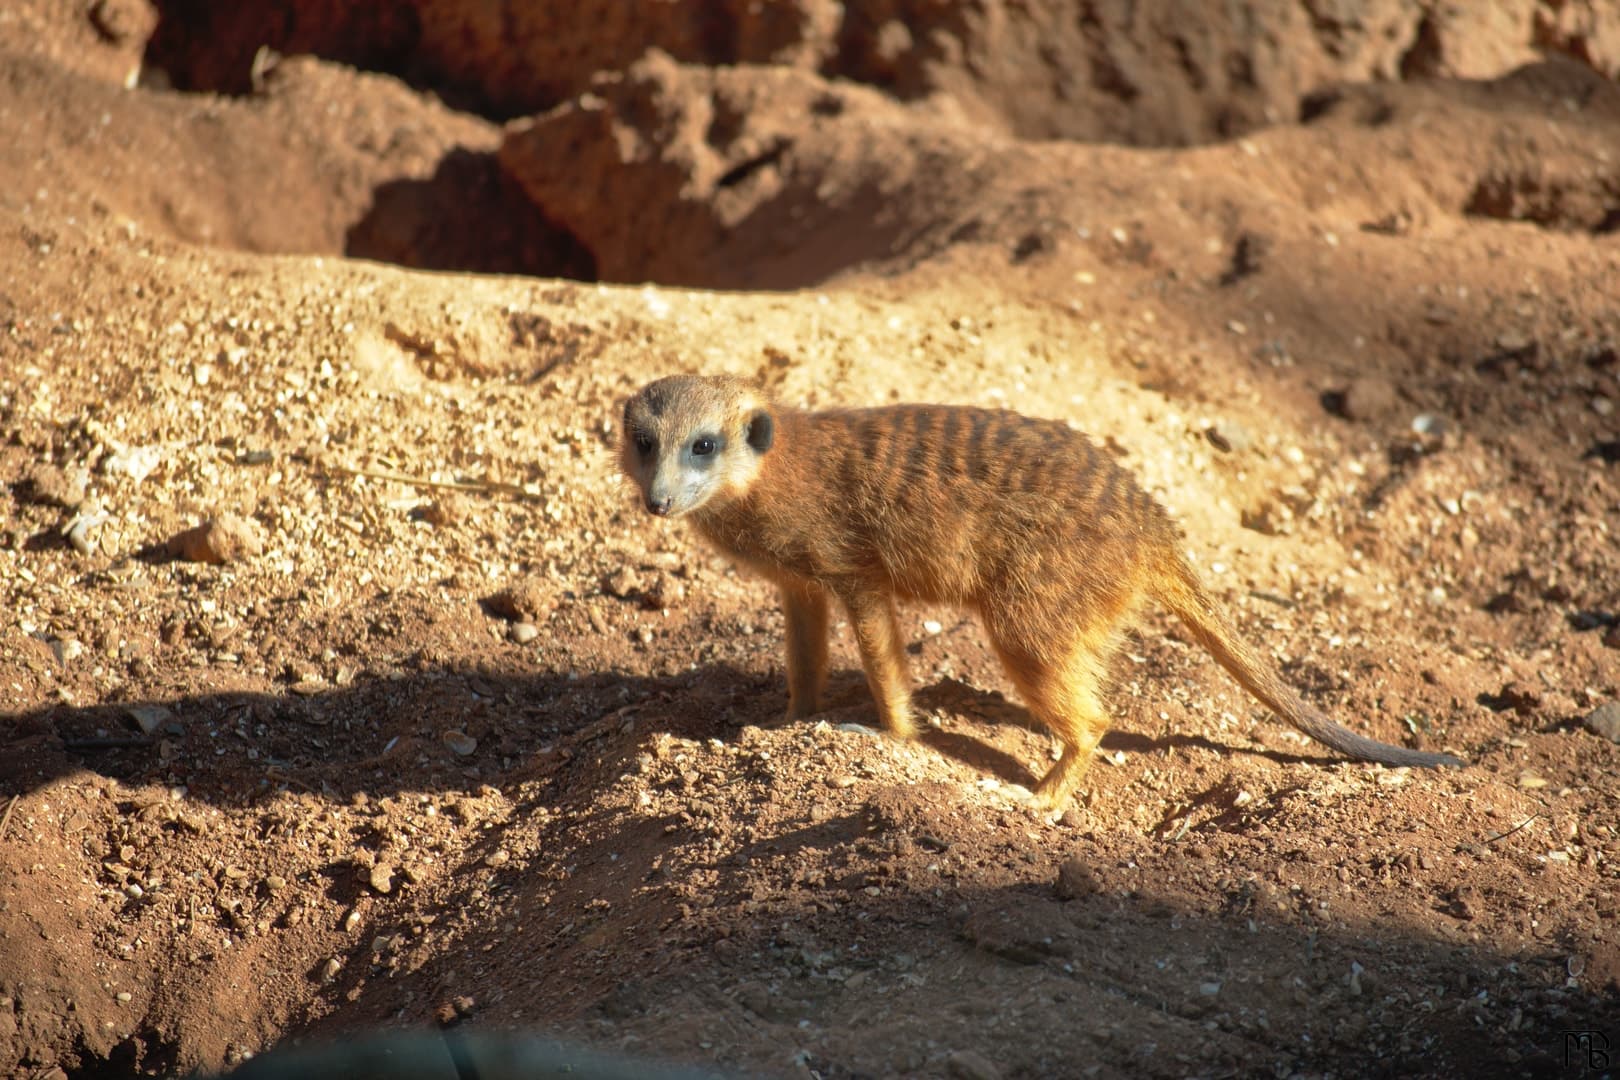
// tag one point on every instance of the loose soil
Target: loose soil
(345, 686)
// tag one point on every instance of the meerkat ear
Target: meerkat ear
(761, 430)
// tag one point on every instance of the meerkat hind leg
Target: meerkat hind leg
(878, 634)
(1063, 697)
(805, 608)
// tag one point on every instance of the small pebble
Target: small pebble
(665, 591)
(459, 742)
(623, 583)
(523, 601)
(524, 632)
(381, 878)
(1228, 437)
(83, 531)
(226, 538)
(135, 462)
(1364, 398)
(1515, 342)
(67, 650)
(149, 718)
(52, 486)
(1075, 879)
(1605, 721)
(1430, 425)
(448, 509)
(971, 1065)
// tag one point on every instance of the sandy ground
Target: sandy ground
(345, 686)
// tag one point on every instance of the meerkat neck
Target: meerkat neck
(753, 524)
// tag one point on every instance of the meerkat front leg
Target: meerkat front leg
(805, 606)
(878, 634)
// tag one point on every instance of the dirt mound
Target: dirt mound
(102, 40)
(760, 177)
(1533, 146)
(505, 58)
(1147, 74)
(343, 686)
(319, 160)
(1141, 73)
(740, 176)
(744, 177)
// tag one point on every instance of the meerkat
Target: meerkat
(1024, 522)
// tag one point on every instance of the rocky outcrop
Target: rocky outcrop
(746, 177)
(1142, 72)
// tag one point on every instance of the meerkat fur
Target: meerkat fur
(1024, 522)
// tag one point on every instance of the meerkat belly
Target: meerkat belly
(931, 558)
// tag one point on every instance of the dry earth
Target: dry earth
(345, 687)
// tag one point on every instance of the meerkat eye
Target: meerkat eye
(644, 443)
(703, 447)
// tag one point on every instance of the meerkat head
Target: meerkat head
(691, 441)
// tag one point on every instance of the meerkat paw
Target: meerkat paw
(902, 725)
(908, 733)
(1053, 793)
(801, 710)
(1050, 815)
(1051, 803)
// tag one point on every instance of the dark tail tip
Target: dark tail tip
(1422, 759)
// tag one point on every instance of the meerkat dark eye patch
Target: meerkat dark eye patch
(644, 443)
(761, 431)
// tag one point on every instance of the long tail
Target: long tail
(1179, 590)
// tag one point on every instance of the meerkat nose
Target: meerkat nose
(660, 506)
